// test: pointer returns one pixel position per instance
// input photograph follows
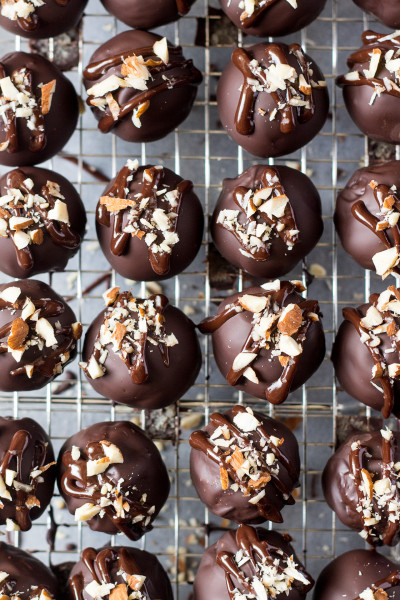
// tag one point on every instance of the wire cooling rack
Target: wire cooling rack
(201, 150)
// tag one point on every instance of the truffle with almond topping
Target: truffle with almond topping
(272, 99)
(143, 353)
(139, 86)
(366, 352)
(267, 219)
(366, 217)
(27, 472)
(361, 484)
(386, 11)
(118, 573)
(266, 18)
(267, 340)
(149, 222)
(251, 563)
(38, 108)
(42, 222)
(153, 14)
(38, 19)
(371, 89)
(24, 576)
(38, 335)
(244, 466)
(112, 476)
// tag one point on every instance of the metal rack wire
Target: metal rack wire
(200, 150)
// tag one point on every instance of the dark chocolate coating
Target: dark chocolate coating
(35, 290)
(348, 575)
(278, 19)
(206, 476)
(356, 238)
(353, 365)
(267, 140)
(339, 487)
(47, 256)
(229, 339)
(29, 461)
(306, 205)
(138, 16)
(157, 584)
(143, 469)
(210, 576)
(134, 263)
(167, 109)
(59, 123)
(165, 384)
(387, 11)
(53, 19)
(27, 572)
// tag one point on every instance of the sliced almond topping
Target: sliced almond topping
(224, 478)
(290, 319)
(237, 459)
(48, 90)
(118, 334)
(111, 295)
(113, 106)
(161, 50)
(119, 592)
(37, 236)
(19, 332)
(242, 360)
(367, 481)
(10, 294)
(17, 223)
(391, 328)
(116, 204)
(253, 304)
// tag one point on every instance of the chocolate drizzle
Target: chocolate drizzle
(290, 114)
(32, 22)
(261, 443)
(388, 582)
(139, 211)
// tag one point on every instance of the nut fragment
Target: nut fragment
(86, 511)
(116, 204)
(224, 478)
(48, 90)
(111, 295)
(252, 303)
(290, 319)
(119, 592)
(135, 582)
(18, 334)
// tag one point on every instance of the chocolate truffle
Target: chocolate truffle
(366, 217)
(272, 99)
(27, 472)
(266, 18)
(140, 87)
(39, 333)
(267, 340)
(112, 476)
(359, 575)
(251, 563)
(37, 19)
(149, 222)
(366, 352)
(266, 220)
(386, 11)
(41, 109)
(371, 89)
(24, 576)
(152, 14)
(141, 352)
(131, 572)
(360, 483)
(244, 466)
(42, 222)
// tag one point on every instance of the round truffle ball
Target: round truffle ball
(43, 113)
(365, 353)
(355, 572)
(370, 199)
(27, 471)
(159, 88)
(222, 566)
(149, 222)
(49, 19)
(143, 353)
(39, 333)
(134, 572)
(118, 470)
(386, 11)
(373, 107)
(360, 479)
(266, 220)
(244, 466)
(153, 14)
(272, 18)
(268, 340)
(26, 577)
(45, 216)
(258, 117)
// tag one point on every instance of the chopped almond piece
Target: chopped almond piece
(4, 145)
(18, 334)
(373, 184)
(113, 106)
(261, 482)
(119, 592)
(18, 223)
(367, 481)
(32, 501)
(394, 291)
(380, 594)
(284, 360)
(77, 330)
(111, 295)
(48, 90)
(119, 333)
(224, 478)
(37, 237)
(389, 202)
(290, 320)
(116, 204)
(136, 582)
(391, 328)
(237, 459)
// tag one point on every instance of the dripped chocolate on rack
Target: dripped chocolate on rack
(292, 92)
(24, 11)
(254, 9)
(151, 215)
(268, 214)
